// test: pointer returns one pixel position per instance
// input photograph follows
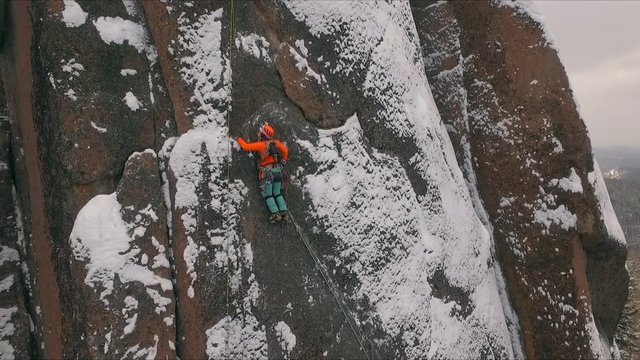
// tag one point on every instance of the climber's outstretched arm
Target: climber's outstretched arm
(249, 147)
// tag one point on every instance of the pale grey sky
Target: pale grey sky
(599, 44)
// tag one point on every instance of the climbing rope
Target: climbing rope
(232, 31)
(337, 296)
(323, 271)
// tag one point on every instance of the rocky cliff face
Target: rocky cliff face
(511, 113)
(440, 175)
(15, 337)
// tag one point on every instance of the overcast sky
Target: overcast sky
(599, 44)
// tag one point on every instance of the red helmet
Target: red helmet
(267, 131)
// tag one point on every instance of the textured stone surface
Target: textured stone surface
(507, 100)
(75, 143)
(18, 75)
(137, 315)
(144, 224)
(15, 339)
(304, 87)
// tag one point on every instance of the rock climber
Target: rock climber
(273, 156)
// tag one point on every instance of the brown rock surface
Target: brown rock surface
(18, 76)
(169, 255)
(72, 106)
(168, 24)
(305, 88)
(164, 28)
(15, 333)
(507, 98)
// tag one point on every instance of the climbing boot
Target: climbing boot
(274, 218)
(284, 216)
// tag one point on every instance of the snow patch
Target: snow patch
(160, 260)
(303, 49)
(7, 330)
(107, 343)
(125, 72)
(557, 146)
(506, 202)
(6, 283)
(169, 320)
(72, 67)
(135, 352)
(71, 94)
(572, 183)
(118, 31)
(255, 45)
(234, 338)
(131, 305)
(73, 15)
(132, 101)
(102, 239)
(529, 9)
(285, 337)
(52, 81)
(303, 66)
(187, 162)
(8, 254)
(100, 129)
(595, 341)
(151, 97)
(130, 7)
(560, 216)
(205, 69)
(160, 301)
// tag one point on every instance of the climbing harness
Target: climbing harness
(362, 340)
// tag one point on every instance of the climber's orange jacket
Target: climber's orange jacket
(262, 148)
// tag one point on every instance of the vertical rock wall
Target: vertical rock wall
(15, 337)
(509, 107)
(143, 224)
(18, 75)
(81, 105)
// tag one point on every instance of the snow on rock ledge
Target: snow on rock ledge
(119, 241)
(608, 215)
(118, 31)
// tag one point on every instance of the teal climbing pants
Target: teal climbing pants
(272, 189)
